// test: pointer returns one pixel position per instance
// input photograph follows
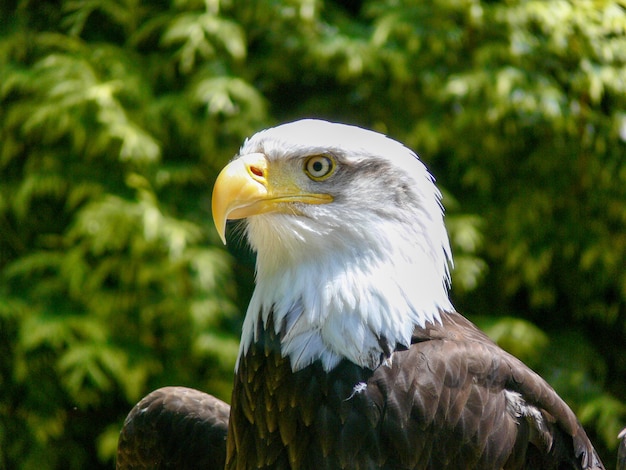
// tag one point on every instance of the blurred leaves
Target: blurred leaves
(110, 285)
(115, 116)
(198, 32)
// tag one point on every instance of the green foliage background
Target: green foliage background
(116, 115)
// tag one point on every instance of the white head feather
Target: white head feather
(339, 277)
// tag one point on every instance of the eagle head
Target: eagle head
(352, 251)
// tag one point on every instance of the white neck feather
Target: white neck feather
(338, 304)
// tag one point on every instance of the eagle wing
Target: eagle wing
(472, 405)
(174, 427)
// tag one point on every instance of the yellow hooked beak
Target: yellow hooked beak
(246, 187)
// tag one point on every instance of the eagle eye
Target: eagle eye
(319, 167)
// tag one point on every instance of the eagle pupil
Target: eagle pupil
(318, 167)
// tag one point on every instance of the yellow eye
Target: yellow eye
(319, 167)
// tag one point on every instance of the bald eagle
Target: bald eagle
(352, 355)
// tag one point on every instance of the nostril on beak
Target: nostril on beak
(255, 170)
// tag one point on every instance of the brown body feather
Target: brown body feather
(174, 428)
(452, 400)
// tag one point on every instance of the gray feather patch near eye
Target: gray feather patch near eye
(380, 187)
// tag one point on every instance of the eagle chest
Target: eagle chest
(423, 411)
(307, 419)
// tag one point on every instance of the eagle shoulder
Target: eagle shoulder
(475, 406)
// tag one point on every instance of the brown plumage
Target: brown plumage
(452, 400)
(174, 428)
